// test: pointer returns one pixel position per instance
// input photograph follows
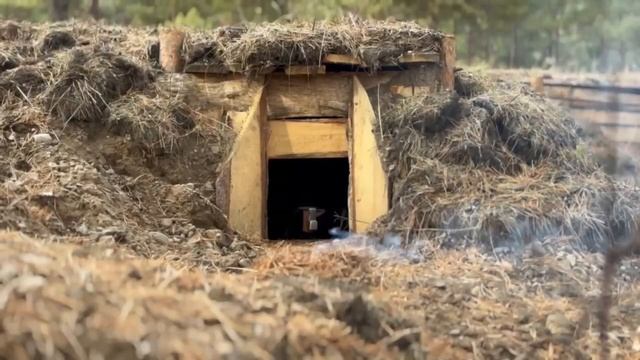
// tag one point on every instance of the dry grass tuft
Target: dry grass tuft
(503, 168)
(88, 83)
(57, 40)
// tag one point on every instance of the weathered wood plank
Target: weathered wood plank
(247, 178)
(447, 61)
(314, 120)
(314, 96)
(206, 69)
(341, 59)
(419, 57)
(622, 134)
(307, 70)
(594, 98)
(606, 118)
(370, 185)
(231, 92)
(288, 139)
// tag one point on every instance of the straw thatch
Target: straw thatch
(90, 133)
(262, 46)
(502, 168)
(88, 83)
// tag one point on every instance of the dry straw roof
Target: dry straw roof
(259, 46)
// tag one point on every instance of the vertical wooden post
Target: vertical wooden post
(447, 62)
(171, 41)
(537, 83)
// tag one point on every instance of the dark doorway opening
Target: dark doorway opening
(295, 185)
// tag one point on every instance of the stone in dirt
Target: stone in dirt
(43, 138)
(159, 237)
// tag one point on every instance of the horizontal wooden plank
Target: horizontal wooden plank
(305, 70)
(313, 96)
(606, 118)
(231, 91)
(206, 69)
(315, 120)
(593, 98)
(419, 57)
(618, 89)
(622, 134)
(288, 139)
(341, 59)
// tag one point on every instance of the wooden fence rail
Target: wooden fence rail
(615, 109)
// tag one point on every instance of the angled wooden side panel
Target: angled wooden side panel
(246, 178)
(370, 184)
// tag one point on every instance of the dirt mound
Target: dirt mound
(502, 168)
(62, 301)
(95, 149)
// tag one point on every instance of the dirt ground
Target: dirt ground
(341, 299)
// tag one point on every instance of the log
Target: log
(171, 41)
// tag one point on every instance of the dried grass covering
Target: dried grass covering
(160, 117)
(503, 168)
(56, 40)
(89, 82)
(261, 46)
(69, 302)
(25, 82)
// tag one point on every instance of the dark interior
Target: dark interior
(295, 183)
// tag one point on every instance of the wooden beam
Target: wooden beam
(370, 186)
(341, 59)
(606, 118)
(313, 96)
(231, 91)
(447, 61)
(622, 134)
(305, 70)
(419, 57)
(593, 98)
(247, 178)
(206, 69)
(289, 139)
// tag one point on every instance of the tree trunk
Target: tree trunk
(94, 11)
(556, 42)
(283, 7)
(59, 10)
(513, 55)
(623, 56)
(472, 45)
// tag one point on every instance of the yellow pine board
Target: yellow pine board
(306, 139)
(370, 187)
(246, 200)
